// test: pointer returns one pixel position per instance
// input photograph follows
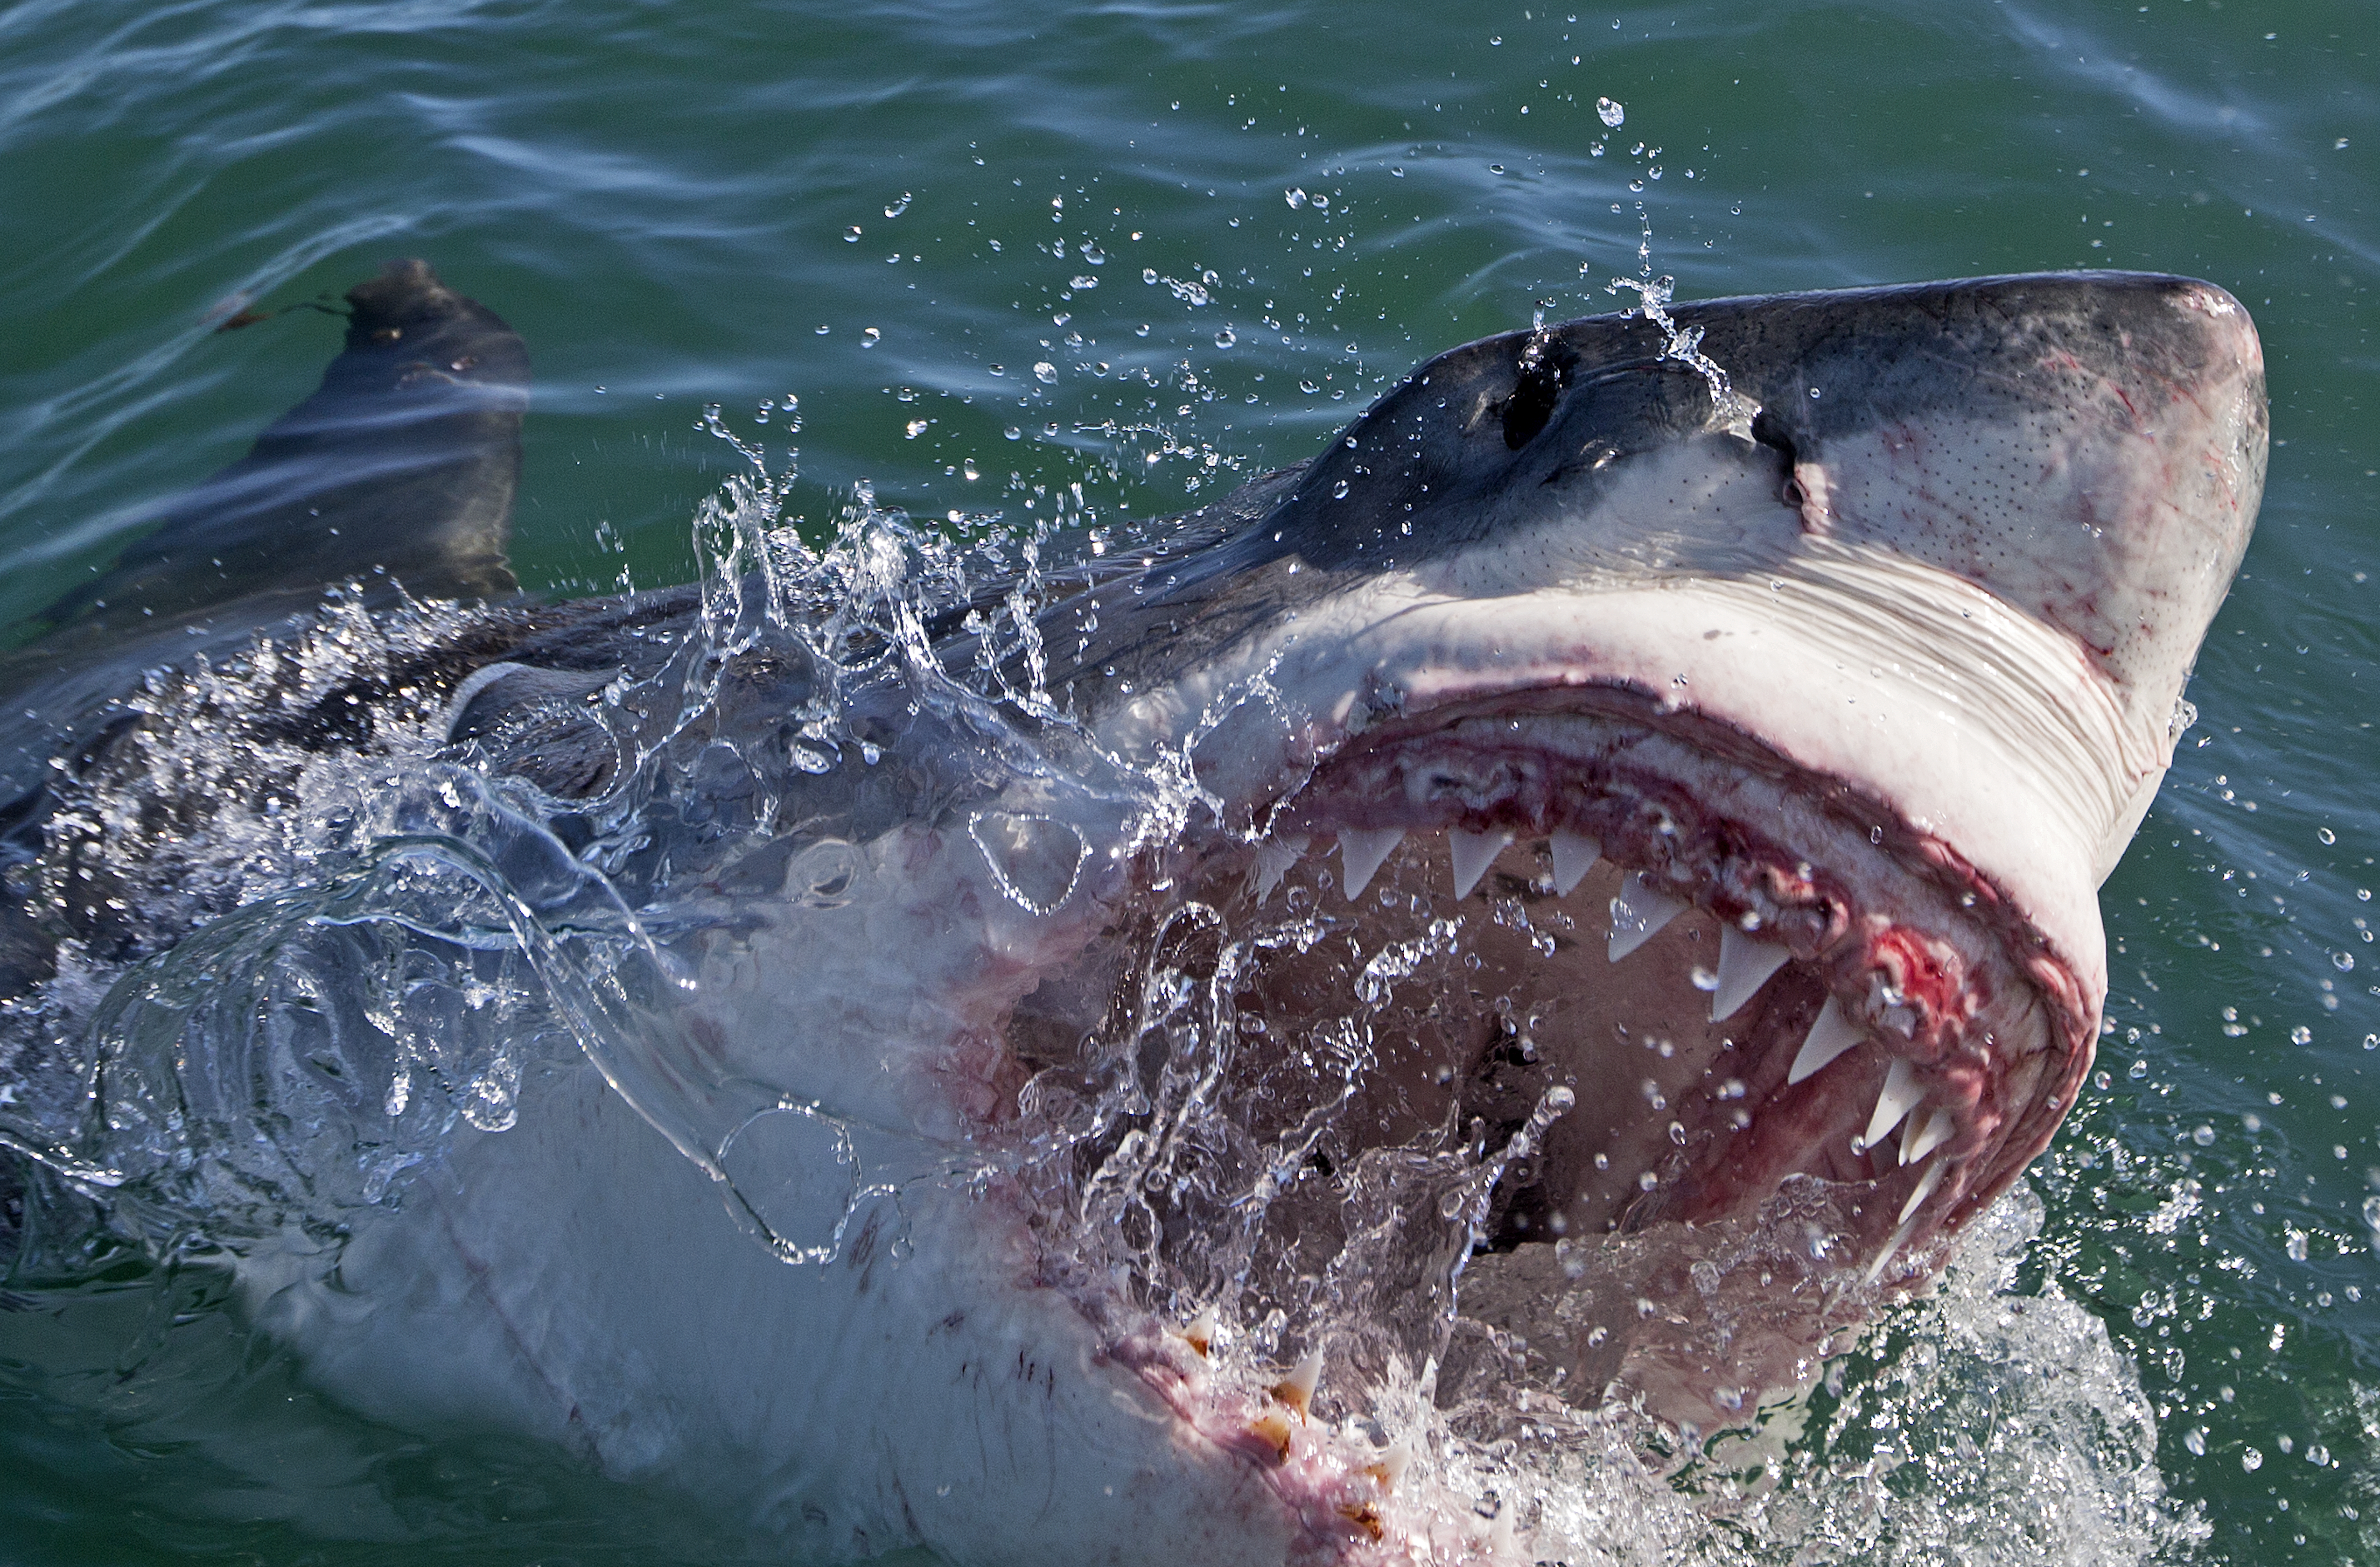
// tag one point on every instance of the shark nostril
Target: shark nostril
(1792, 492)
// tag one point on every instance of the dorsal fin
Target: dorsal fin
(401, 468)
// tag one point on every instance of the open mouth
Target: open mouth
(1623, 998)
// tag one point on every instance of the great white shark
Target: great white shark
(1199, 1051)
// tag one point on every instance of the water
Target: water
(901, 214)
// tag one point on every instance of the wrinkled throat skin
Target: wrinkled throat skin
(1561, 906)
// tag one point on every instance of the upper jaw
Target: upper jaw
(1966, 580)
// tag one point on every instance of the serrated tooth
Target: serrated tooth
(1274, 858)
(1361, 851)
(1830, 1037)
(1574, 855)
(1389, 1467)
(1474, 852)
(1744, 964)
(1924, 1188)
(1901, 1095)
(1875, 1268)
(1917, 1141)
(1638, 913)
(1297, 1390)
(1200, 1332)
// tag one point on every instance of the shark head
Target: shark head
(1568, 899)
(1756, 699)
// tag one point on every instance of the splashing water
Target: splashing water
(1736, 411)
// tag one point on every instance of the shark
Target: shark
(1224, 1041)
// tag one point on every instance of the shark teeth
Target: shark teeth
(1574, 855)
(1297, 1389)
(1474, 852)
(1639, 913)
(1917, 1141)
(1274, 858)
(1902, 1094)
(1830, 1037)
(1361, 850)
(1744, 964)
(1926, 1185)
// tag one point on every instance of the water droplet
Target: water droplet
(2327, 836)
(1339, 491)
(1013, 433)
(1045, 372)
(1226, 337)
(970, 470)
(2204, 1136)
(1149, 275)
(1609, 111)
(869, 338)
(1321, 202)
(916, 427)
(2251, 1460)
(896, 208)
(1084, 281)
(850, 234)
(1294, 196)
(2301, 1035)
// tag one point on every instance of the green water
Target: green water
(688, 205)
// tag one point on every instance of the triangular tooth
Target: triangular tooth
(1902, 1094)
(1474, 852)
(1361, 851)
(1297, 1390)
(1875, 1268)
(1917, 1141)
(1830, 1037)
(1638, 913)
(1744, 964)
(1926, 1185)
(1574, 855)
(1274, 858)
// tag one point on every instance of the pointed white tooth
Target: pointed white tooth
(1900, 1096)
(1638, 913)
(1744, 964)
(1917, 1141)
(1474, 852)
(1830, 1037)
(1926, 1185)
(1361, 852)
(1274, 858)
(1574, 855)
(1899, 1236)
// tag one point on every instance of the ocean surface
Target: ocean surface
(997, 251)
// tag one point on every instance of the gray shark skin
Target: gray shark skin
(1497, 947)
(400, 467)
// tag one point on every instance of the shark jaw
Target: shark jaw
(1699, 864)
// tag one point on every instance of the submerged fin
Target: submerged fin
(400, 469)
